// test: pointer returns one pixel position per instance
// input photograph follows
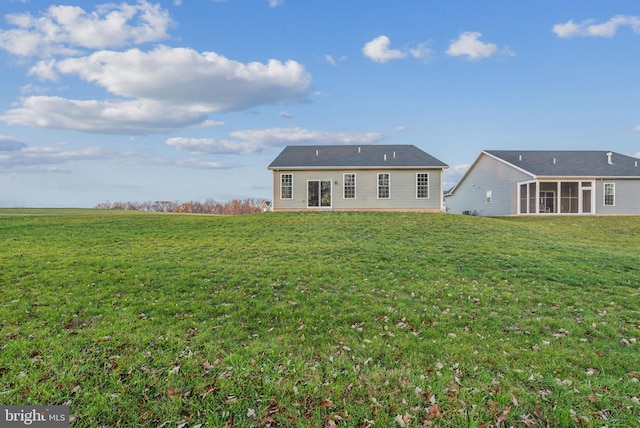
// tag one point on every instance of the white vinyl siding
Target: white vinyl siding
(402, 190)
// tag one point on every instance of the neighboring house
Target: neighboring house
(521, 182)
(357, 178)
(265, 206)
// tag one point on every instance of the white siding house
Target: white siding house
(357, 178)
(512, 182)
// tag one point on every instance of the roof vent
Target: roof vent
(519, 157)
(359, 150)
(317, 152)
(609, 161)
(636, 164)
(554, 161)
(385, 156)
(394, 155)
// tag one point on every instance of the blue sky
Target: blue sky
(189, 100)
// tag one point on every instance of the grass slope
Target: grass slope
(321, 319)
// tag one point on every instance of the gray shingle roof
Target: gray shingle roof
(580, 163)
(363, 156)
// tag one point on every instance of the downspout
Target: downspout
(443, 208)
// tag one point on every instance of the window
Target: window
(422, 186)
(489, 195)
(349, 191)
(286, 186)
(383, 186)
(609, 194)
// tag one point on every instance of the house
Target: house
(522, 182)
(265, 206)
(357, 178)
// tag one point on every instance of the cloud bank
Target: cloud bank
(590, 28)
(260, 140)
(65, 30)
(150, 91)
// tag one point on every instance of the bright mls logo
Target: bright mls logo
(36, 416)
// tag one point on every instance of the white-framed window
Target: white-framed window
(349, 186)
(384, 185)
(609, 194)
(489, 196)
(286, 186)
(422, 185)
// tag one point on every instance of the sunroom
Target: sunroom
(556, 197)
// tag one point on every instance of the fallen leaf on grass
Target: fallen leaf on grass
(174, 392)
(434, 411)
(327, 403)
(603, 414)
(402, 421)
(528, 421)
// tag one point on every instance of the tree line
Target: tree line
(209, 206)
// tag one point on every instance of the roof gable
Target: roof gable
(363, 156)
(579, 163)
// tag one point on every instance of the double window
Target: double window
(349, 190)
(422, 186)
(286, 186)
(609, 194)
(384, 186)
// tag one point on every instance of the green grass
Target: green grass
(321, 319)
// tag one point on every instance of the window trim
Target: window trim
(344, 185)
(388, 186)
(418, 186)
(289, 186)
(612, 195)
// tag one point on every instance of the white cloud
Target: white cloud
(453, 175)
(589, 28)
(276, 3)
(468, 45)
(165, 89)
(378, 50)
(48, 159)
(278, 137)
(64, 30)
(260, 140)
(637, 128)
(422, 52)
(211, 146)
(41, 157)
(108, 117)
(211, 124)
(185, 76)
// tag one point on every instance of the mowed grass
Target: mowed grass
(321, 319)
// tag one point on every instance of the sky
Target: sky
(184, 100)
